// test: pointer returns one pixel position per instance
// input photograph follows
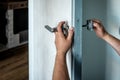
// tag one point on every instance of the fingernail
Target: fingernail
(71, 29)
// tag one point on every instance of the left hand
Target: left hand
(99, 29)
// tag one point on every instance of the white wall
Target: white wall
(113, 27)
(41, 42)
(94, 49)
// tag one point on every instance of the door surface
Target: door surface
(42, 50)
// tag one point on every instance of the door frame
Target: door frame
(76, 68)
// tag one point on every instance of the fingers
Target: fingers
(97, 24)
(96, 21)
(59, 28)
(60, 32)
(70, 34)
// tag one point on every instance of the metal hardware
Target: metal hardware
(65, 28)
(89, 25)
(50, 29)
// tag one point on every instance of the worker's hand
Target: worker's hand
(99, 29)
(63, 43)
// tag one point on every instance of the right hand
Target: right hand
(99, 29)
(63, 43)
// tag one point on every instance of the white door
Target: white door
(42, 49)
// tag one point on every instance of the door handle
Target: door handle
(89, 25)
(65, 28)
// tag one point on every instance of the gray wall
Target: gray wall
(94, 49)
(100, 60)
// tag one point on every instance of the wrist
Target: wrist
(60, 56)
(106, 36)
(60, 53)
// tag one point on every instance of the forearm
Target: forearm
(114, 42)
(60, 68)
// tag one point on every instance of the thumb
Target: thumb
(70, 33)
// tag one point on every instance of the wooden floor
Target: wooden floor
(14, 64)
